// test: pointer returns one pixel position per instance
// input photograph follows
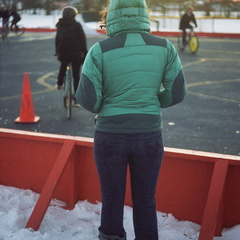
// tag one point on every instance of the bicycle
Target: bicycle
(191, 40)
(68, 91)
(19, 30)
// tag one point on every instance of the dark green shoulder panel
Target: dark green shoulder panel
(113, 43)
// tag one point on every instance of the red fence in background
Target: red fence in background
(177, 33)
(157, 33)
(195, 186)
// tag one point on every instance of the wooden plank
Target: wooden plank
(44, 200)
(211, 211)
(72, 196)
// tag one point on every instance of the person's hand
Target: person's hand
(102, 26)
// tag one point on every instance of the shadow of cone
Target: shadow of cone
(27, 110)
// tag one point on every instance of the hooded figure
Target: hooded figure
(70, 45)
(4, 14)
(126, 80)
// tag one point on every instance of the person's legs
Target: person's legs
(191, 28)
(110, 152)
(5, 24)
(185, 39)
(12, 24)
(62, 71)
(16, 25)
(184, 36)
(145, 164)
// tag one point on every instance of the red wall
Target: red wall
(195, 186)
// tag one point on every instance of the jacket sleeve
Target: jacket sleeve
(89, 92)
(56, 44)
(194, 20)
(82, 38)
(173, 85)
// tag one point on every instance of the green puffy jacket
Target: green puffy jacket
(127, 78)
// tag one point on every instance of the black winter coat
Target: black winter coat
(16, 16)
(70, 38)
(4, 14)
(186, 19)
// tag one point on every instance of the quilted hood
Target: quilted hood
(127, 16)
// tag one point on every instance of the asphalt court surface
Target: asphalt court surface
(207, 120)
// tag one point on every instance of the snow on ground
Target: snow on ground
(82, 222)
(49, 22)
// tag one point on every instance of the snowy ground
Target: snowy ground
(82, 222)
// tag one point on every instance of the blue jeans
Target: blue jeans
(143, 153)
(76, 62)
(184, 35)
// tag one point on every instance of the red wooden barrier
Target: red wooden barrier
(45, 198)
(195, 186)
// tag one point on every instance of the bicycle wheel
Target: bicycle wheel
(193, 43)
(20, 30)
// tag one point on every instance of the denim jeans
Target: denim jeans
(143, 153)
(76, 62)
(184, 35)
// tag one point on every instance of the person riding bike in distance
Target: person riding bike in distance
(5, 15)
(70, 45)
(185, 21)
(16, 18)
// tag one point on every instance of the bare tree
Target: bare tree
(33, 4)
(48, 6)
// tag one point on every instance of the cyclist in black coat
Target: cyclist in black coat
(187, 17)
(5, 15)
(70, 45)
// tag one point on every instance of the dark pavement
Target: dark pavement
(208, 119)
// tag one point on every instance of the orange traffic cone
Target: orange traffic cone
(27, 109)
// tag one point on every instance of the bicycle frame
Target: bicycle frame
(68, 91)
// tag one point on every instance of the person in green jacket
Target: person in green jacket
(126, 80)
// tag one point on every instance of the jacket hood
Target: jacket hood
(127, 16)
